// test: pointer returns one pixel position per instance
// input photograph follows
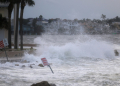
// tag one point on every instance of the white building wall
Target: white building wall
(3, 32)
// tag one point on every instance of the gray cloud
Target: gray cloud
(70, 9)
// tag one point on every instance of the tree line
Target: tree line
(95, 26)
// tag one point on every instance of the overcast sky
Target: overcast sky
(71, 9)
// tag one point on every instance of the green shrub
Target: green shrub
(3, 22)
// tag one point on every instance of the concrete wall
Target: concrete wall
(3, 34)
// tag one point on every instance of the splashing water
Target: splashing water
(77, 60)
(73, 49)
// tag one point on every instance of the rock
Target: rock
(52, 85)
(23, 65)
(43, 83)
(116, 53)
(31, 47)
(31, 66)
(16, 64)
(40, 65)
(24, 61)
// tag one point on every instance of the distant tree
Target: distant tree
(39, 29)
(109, 21)
(117, 19)
(34, 24)
(25, 21)
(88, 20)
(84, 20)
(103, 16)
(41, 17)
(97, 21)
(75, 19)
(50, 20)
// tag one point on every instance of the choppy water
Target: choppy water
(77, 60)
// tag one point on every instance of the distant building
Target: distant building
(42, 22)
(115, 23)
(115, 26)
(27, 30)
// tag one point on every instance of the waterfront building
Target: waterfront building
(4, 12)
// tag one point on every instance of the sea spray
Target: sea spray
(71, 50)
(76, 61)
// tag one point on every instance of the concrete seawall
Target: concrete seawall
(15, 53)
(13, 56)
(18, 53)
(12, 53)
(30, 45)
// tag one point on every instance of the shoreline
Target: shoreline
(14, 55)
(29, 48)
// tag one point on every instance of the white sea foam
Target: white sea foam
(76, 61)
(71, 50)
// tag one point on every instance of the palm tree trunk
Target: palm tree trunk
(21, 26)
(9, 33)
(10, 8)
(16, 31)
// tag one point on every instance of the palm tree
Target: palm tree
(23, 4)
(10, 8)
(40, 17)
(16, 30)
(103, 16)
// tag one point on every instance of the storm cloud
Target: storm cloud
(71, 9)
